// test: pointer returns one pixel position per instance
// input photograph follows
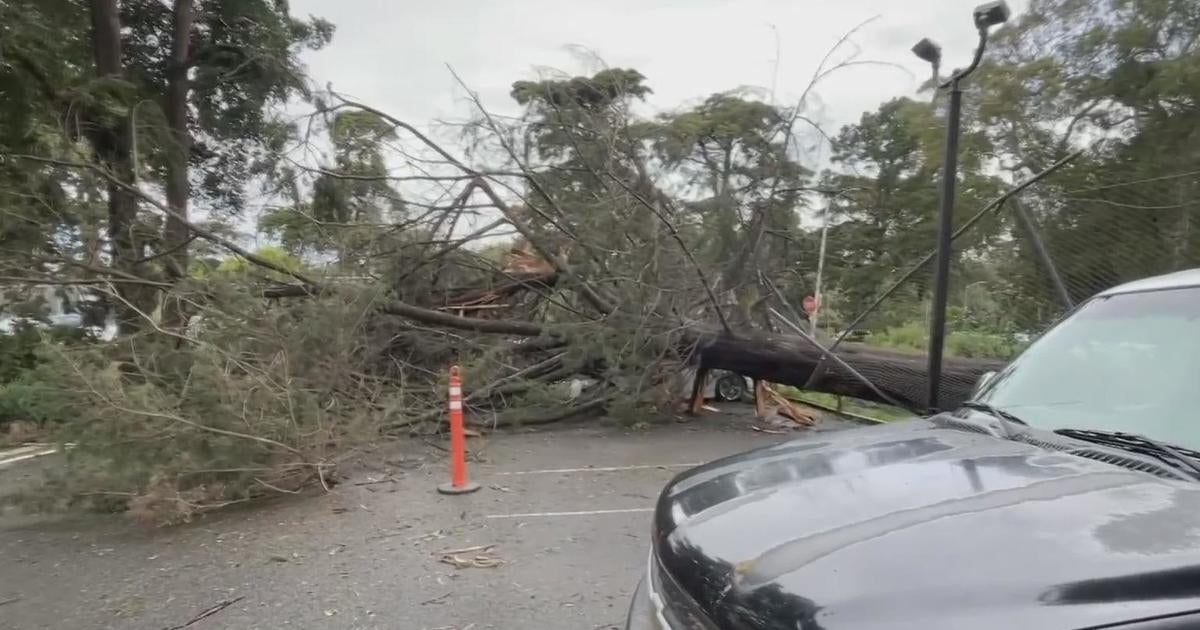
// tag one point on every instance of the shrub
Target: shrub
(23, 397)
(263, 400)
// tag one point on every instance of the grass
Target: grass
(959, 343)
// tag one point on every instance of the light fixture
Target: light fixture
(928, 51)
(992, 14)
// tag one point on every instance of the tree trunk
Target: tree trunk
(790, 360)
(113, 143)
(784, 359)
(175, 232)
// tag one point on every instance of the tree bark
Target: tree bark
(783, 359)
(790, 360)
(175, 230)
(113, 143)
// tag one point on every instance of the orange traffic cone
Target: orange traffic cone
(458, 441)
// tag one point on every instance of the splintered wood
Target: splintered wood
(769, 405)
(522, 270)
(776, 405)
(521, 259)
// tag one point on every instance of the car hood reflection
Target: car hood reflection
(911, 525)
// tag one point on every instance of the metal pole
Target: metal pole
(1043, 254)
(812, 319)
(941, 280)
(825, 353)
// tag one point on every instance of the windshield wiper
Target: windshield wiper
(1175, 456)
(1006, 419)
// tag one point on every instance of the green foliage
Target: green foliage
(24, 397)
(33, 397)
(237, 265)
(651, 211)
(350, 198)
(1068, 73)
(18, 351)
(259, 405)
(734, 153)
(968, 344)
(591, 93)
(366, 194)
(884, 202)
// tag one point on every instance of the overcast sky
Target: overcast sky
(393, 53)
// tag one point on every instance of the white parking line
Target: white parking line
(582, 513)
(22, 454)
(21, 450)
(556, 471)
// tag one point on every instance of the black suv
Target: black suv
(1064, 496)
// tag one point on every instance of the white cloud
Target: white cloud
(393, 53)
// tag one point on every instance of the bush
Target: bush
(979, 345)
(911, 336)
(263, 400)
(18, 350)
(23, 397)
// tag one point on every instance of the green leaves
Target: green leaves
(598, 91)
(237, 265)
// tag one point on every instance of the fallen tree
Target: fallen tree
(607, 282)
(778, 358)
(792, 360)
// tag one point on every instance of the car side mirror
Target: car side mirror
(982, 383)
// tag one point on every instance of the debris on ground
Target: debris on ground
(477, 557)
(436, 534)
(436, 600)
(779, 413)
(212, 610)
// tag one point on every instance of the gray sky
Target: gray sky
(393, 53)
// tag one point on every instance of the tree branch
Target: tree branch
(439, 318)
(202, 232)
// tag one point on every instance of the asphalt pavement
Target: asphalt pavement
(556, 538)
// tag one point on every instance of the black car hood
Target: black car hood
(911, 525)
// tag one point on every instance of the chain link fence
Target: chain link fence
(1022, 263)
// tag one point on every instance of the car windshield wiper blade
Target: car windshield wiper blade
(1006, 419)
(1178, 457)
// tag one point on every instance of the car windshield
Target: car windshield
(1127, 362)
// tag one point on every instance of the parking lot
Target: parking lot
(564, 514)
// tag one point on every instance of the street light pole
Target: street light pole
(986, 16)
(833, 196)
(941, 278)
